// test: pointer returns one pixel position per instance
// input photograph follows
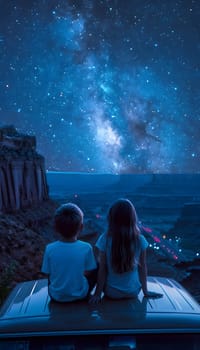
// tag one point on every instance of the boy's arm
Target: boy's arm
(142, 269)
(101, 278)
(91, 265)
(45, 269)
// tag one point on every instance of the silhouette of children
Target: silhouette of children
(68, 262)
(122, 256)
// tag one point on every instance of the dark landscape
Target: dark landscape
(108, 92)
(168, 208)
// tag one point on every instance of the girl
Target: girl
(122, 256)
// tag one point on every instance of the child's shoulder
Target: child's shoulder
(83, 243)
(144, 243)
(102, 241)
(52, 244)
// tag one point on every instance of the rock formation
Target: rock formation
(22, 171)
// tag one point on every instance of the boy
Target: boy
(68, 262)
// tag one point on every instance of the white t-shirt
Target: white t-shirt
(65, 263)
(119, 285)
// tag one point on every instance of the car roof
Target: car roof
(29, 311)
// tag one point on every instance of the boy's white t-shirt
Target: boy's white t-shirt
(65, 263)
(126, 284)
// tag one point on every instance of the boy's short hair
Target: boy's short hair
(68, 219)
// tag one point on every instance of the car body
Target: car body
(30, 320)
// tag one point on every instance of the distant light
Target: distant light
(147, 229)
(156, 239)
(197, 254)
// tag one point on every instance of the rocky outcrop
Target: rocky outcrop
(23, 237)
(22, 171)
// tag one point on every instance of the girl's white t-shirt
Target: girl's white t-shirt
(65, 264)
(126, 284)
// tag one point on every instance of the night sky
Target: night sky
(105, 86)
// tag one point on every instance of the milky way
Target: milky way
(106, 86)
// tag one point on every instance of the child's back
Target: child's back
(67, 261)
(124, 284)
(122, 255)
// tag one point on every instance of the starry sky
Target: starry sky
(106, 86)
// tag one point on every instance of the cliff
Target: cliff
(22, 171)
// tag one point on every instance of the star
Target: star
(111, 86)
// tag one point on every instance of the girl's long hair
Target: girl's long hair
(123, 229)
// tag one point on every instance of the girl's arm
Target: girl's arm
(101, 278)
(142, 269)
